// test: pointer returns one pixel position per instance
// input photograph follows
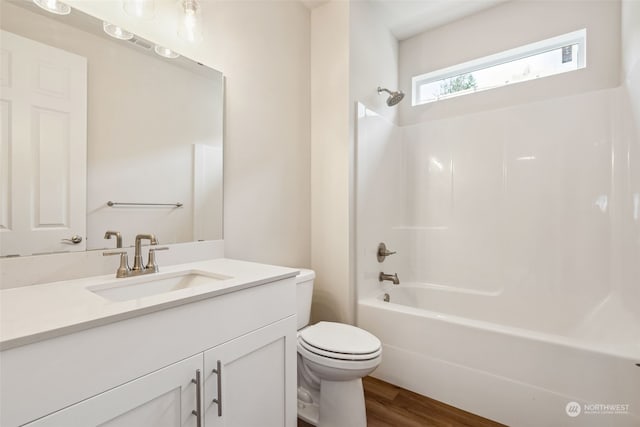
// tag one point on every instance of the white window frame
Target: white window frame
(578, 37)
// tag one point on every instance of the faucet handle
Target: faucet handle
(123, 269)
(383, 252)
(151, 264)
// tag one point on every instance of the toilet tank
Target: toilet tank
(304, 292)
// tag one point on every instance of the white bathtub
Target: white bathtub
(492, 362)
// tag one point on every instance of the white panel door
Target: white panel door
(43, 106)
(253, 379)
(165, 398)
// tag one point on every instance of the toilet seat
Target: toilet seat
(339, 341)
(336, 355)
(339, 364)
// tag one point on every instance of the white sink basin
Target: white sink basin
(153, 284)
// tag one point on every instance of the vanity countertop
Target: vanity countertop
(34, 313)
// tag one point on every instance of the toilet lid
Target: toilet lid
(340, 338)
(338, 356)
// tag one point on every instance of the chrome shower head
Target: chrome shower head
(394, 97)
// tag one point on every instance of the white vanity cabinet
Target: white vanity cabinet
(247, 380)
(166, 398)
(141, 371)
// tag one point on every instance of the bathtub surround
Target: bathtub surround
(513, 212)
(494, 200)
(510, 229)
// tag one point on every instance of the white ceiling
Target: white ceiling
(406, 18)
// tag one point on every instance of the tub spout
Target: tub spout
(390, 277)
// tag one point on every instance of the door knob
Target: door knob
(74, 240)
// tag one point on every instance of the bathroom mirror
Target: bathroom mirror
(153, 145)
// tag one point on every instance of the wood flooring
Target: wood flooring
(391, 406)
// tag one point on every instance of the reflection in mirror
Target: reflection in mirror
(151, 128)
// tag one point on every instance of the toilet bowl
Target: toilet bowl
(332, 359)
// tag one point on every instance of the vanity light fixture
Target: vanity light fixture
(54, 6)
(165, 52)
(143, 9)
(190, 28)
(116, 32)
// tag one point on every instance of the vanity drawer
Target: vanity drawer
(43, 377)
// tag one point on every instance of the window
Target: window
(541, 59)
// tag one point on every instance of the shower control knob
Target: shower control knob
(383, 252)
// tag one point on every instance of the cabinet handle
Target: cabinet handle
(198, 411)
(218, 401)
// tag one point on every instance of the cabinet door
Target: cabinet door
(165, 398)
(251, 381)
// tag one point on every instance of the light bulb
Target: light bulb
(165, 52)
(116, 32)
(54, 6)
(143, 9)
(191, 25)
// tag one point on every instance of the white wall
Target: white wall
(513, 24)
(352, 54)
(330, 161)
(373, 59)
(263, 50)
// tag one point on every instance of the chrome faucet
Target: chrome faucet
(138, 266)
(390, 277)
(108, 235)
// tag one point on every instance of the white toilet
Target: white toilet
(332, 359)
